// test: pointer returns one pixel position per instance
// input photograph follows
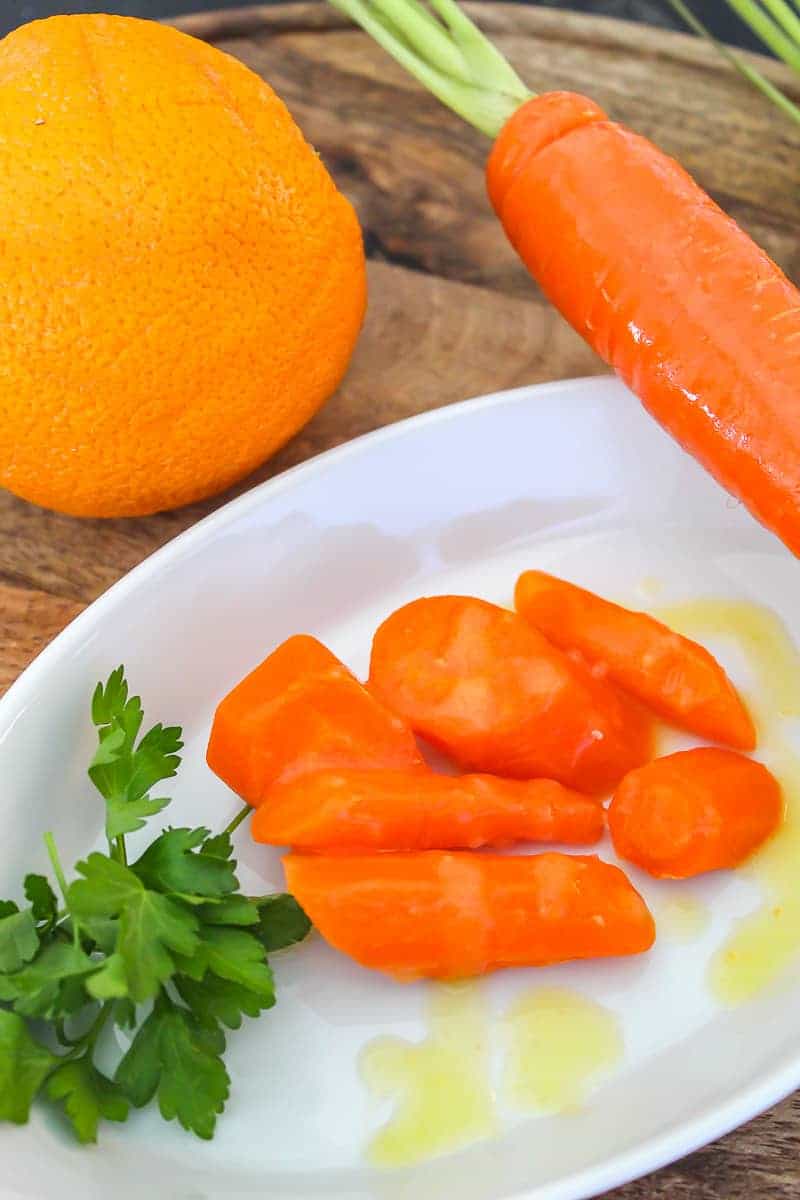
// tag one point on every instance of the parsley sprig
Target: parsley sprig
(164, 947)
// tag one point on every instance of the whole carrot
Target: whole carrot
(675, 677)
(490, 691)
(694, 811)
(668, 290)
(357, 809)
(447, 916)
(300, 710)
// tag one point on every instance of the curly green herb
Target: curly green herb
(165, 947)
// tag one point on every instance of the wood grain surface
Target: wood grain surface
(453, 314)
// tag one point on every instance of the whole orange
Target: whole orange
(181, 283)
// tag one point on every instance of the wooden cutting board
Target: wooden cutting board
(453, 314)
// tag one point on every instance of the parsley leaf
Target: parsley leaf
(88, 1096)
(150, 925)
(7, 907)
(104, 891)
(126, 816)
(236, 955)
(281, 922)
(220, 846)
(215, 999)
(103, 932)
(177, 1056)
(42, 897)
(140, 1068)
(24, 1066)
(19, 940)
(72, 996)
(122, 771)
(155, 758)
(118, 720)
(109, 701)
(36, 989)
(231, 910)
(176, 862)
(111, 981)
(194, 1084)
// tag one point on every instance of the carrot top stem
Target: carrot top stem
(439, 45)
(777, 36)
(786, 16)
(750, 73)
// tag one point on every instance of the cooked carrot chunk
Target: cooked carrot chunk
(299, 711)
(356, 809)
(694, 811)
(479, 683)
(453, 915)
(672, 675)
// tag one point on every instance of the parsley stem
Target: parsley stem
(121, 853)
(237, 820)
(55, 862)
(58, 871)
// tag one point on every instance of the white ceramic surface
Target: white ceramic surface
(572, 477)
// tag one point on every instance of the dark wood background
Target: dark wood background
(453, 314)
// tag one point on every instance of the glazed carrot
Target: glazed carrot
(299, 711)
(694, 811)
(441, 915)
(668, 290)
(480, 684)
(359, 809)
(675, 677)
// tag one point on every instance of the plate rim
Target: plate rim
(252, 497)
(651, 1154)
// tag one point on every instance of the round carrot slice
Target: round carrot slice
(694, 811)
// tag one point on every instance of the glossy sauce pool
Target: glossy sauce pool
(763, 943)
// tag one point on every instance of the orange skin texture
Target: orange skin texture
(382, 809)
(675, 677)
(443, 915)
(694, 811)
(181, 283)
(483, 686)
(299, 711)
(665, 287)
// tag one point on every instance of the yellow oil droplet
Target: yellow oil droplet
(765, 640)
(768, 940)
(441, 1086)
(682, 918)
(559, 1045)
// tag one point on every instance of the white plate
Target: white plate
(572, 477)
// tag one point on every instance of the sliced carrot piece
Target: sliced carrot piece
(358, 809)
(299, 711)
(675, 677)
(694, 811)
(479, 683)
(452, 915)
